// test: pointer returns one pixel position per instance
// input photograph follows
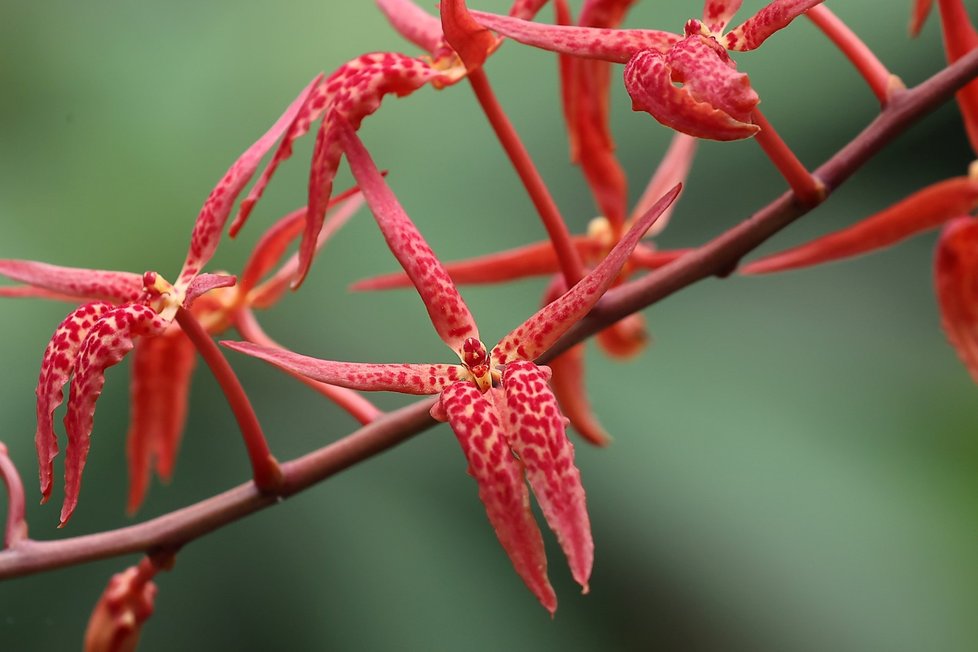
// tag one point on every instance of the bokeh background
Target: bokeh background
(794, 465)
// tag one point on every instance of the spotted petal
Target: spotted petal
(413, 23)
(474, 419)
(956, 278)
(161, 371)
(446, 308)
(75, 281)
(57, 365)
(540, 331)
(717, 14)
(107, 343)
(764, 23)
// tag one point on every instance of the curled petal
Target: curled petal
(614, 45)
(413, 23)
(502, 489)
(541, 330)
(673, 169)
(717, 14)
(471, 41)
(404, 378)
(107, 343)
(923, 210)
(161, 371)
(535, 429)
(921, 8)
(214, 214)
(956, 278)
(74, 281)
(56, 367)
(756, 29)
(204, 283)
(568, 387)
(127, 603)
(714, 101)
(446, 308)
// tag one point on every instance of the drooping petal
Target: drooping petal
(673, 169)
(956, 280)
(75, 281)
(568, 386)
(535, 429)
(446, 308)
(355, 91)
(717, 14)
(161, 371)
(614, 45)
(413, 23)
(127, 602)
(756, 29)
(475, 420)
(214, 214)
(57, 365)
(921, 8)
(923, 210)
(960, 38)
(416, 379)
(540, 331)
(714, 100)
(471, 41)
(107, 343)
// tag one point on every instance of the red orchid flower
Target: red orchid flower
(127, 602)
(123, 311)
(686, 82)
(497, 401)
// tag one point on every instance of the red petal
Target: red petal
(766, 22)
(921, 8)
(471, 41)
(625, 338)
(925, 209)
(127, 602)
(413, 23)
(614, 45)
(214, 214)
(57, 365)
(501, 487)
(717, 14)
(204, 283)
(956, 278)
(960, 38)
(650, 258)
(404, 378)
(673, 169)
(161, 371)
(355, 91)
(540, 331)
(535, 429)
(75, 281)
(604, 13)
(526, 9)
(34, 292)
(107, 343)
(568, 387)
(715, 101)
(449, 314)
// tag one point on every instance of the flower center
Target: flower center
(161, 295)
(475, 358)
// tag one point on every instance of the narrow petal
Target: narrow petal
(214, 214)
(526, 9)
(271, 247)
(650, 258)
(713, 101)
(57, 365)
(161, 371)
(923, 210)
(673, 169)
(403, 378)
(107, 343)
(955, 274)
(717, 14)
(502, 489)
(540, 331)
(34, 292)
(356, 90)
(604, 13)
(568, 386)
(766, 22)
(535, 429)
(614, 45)
(960, 38)
(413, 23)
(75, 281)
(921, 8)
(204, 283)
(471, 41)
(446, 308)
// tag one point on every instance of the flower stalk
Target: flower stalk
(16, 529)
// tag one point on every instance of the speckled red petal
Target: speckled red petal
(404, 378)
(214, 214)
(502, 489)
(413, 23)
(57, 365)
(717, 13)
(615, 45)
(540, 331)
(109, 340)
(923, 210)
(446, 308)
(161, 370)
(956, 280)
(758, 28)
(88, 284)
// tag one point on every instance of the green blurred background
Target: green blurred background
(794, 462)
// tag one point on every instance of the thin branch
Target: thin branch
(719, 256)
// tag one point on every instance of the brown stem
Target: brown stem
(175, 529)
(16, 530)
(265, 469)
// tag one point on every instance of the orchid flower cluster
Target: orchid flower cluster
(508, 411)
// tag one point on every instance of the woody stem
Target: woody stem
(265, 469)
(880, 80)
(807, 189)
(567, 257)
(16, 530)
